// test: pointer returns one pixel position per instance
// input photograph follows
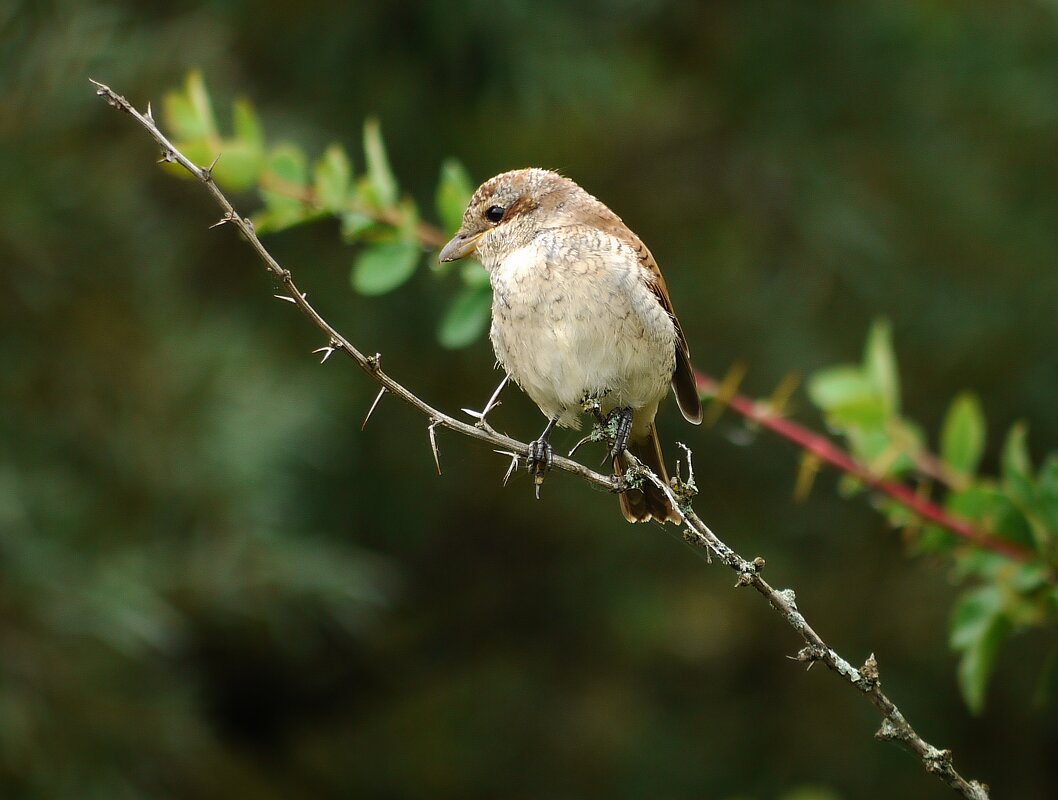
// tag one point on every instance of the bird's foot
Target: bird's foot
(621, 419)
(540, 457)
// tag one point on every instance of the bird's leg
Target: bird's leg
(540, 456)
(621, 430)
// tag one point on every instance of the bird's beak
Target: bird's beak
(461, 245)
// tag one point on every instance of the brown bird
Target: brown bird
(580, 314)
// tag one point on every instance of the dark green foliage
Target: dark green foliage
(214, 585)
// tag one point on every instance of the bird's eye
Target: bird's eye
(495, 214)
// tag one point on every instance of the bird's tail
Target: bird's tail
(647, 502)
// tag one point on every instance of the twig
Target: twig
(894, 726)
(827, 451)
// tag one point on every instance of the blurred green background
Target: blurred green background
(213, 585)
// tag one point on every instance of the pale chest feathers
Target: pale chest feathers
(572, 317)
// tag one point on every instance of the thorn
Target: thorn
(433, 444)
(289, 299)
(149, 115)
(512, 467)
(374, 405)
(587, 438)
(228, 217)
(207, 173)
(328, 351)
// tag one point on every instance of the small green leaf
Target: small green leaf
(879, 364)
(847, 396)
(962, 436)
(467, 317)
(286, 174)
(239, 166)
(978, 627)
(246, 124)
(380, 178)
(332, 175)
(1016, 463)
(287, 162)
(382, 268)
(355, 224)
(454, 191)
(198, 95)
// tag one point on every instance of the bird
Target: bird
(581, 320)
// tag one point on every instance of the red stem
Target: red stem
(830, 453)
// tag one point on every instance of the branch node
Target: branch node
(206, 173)
(869, 673)
(228, 217)
(938, 762)
(168, 156)
(375, 361)
(809, 655)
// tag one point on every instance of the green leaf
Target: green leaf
(454, 191)
(1015, 461)
(847, 396)
(962, 436)
(467, 317)
(380, 178)
(382, 268)
(332, 175)
(246, 124)
(188, 113)
(287, 162)
(198, 95)
(286, 174)
(879, 364)
(355, 224)
(978, 627)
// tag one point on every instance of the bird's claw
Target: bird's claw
(538, 461)
(622, 430)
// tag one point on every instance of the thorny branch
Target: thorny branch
(866, 679)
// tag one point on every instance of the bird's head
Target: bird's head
(508, 210)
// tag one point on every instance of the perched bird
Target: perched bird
(580, 315)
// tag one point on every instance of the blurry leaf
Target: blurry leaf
(1047, 492)
(453, 194)
(383, 267)
(198, 95)
(466, 318)
(934, 539)
(379, 175)
(992, 510)
(847, 396)
(332, 175)
(355, 224)
(962, 436)
(246, 124)
(1015, 462)
(187, 113)
(285, 206)
(239, 166)
(473, 273)
(978, 627)
(287, 162)
(879, 364)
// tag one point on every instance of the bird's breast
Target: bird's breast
(572, 316)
